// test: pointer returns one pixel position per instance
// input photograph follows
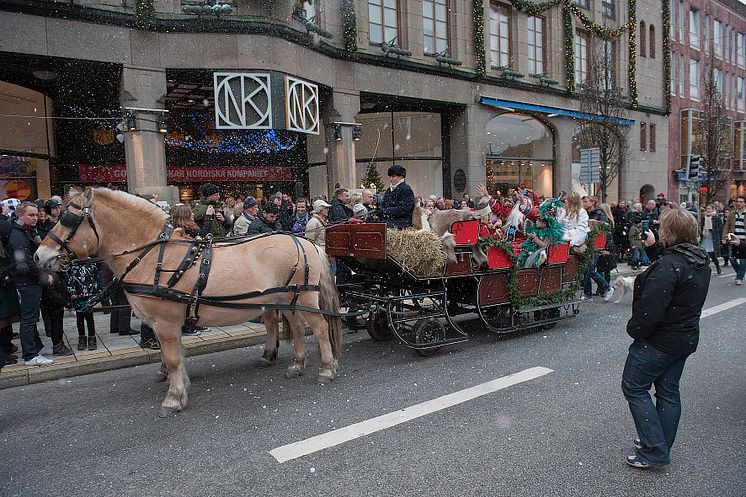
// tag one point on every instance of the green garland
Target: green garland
(667, 53)
(534, 9)
(556, 297)
(145, 14)
(600, 31)
(349, 22)
(632, 73)
(569, 50)
(478, 32)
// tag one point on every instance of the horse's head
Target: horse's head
(73, 237)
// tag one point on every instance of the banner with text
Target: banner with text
(117, 173)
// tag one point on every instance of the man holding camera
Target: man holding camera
(735, 235)
(211, 196)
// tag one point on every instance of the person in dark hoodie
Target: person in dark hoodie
(666, 309)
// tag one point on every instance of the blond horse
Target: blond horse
(109, 223)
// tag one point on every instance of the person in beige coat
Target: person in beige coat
(315, 229)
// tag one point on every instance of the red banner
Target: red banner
(117, 173)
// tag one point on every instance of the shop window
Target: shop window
(435, 25)
(383, 16)
(643, 137)
(499, 35)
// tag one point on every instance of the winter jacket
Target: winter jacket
(26, 272)
(200, 214)
(668, 298)
(242, 224)
(54, 296)
(717, 232)
(339, 212)
(315, 230)
(262, 226)
(285, 216)
(730, 224)
(598, 214)
(397, 206)
(634, 236)
(82, 280)
(5, 228)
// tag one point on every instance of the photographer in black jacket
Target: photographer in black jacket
(666, 309)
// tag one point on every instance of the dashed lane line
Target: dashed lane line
(363, 428)
(722, 307)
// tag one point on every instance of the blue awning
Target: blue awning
(543, 109)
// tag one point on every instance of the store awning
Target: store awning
(509, 105)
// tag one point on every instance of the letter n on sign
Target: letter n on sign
(242, 100)
(301, 106)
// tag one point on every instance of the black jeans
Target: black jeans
(56, 316)
(6, 338)
(29, 299)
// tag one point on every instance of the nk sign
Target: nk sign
(265, 101)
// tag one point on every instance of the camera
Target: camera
(645, 227)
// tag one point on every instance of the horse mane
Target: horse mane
(137, 206)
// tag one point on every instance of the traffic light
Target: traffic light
(692, 172)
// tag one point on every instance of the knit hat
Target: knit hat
(209, 189)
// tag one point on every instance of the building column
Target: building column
(564, 129)
(467, 142)
(143, 90)
(342, 108)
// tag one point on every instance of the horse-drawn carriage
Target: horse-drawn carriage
(421, 310)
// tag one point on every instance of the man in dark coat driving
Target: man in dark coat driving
(398, 199)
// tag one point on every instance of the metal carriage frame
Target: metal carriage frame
(421, 311)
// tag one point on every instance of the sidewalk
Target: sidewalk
(115, 351)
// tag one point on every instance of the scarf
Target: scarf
(708, 224)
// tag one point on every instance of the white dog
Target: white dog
(622, 285)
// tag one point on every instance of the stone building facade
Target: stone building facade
(460, 92)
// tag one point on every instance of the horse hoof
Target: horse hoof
(294, 372)
(263, 362)
(325, 377)
(164, 412)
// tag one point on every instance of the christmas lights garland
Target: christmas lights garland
(569, 49)
(632, 73)
(145, 14)
(478, 23)
(349, 22)
(667, 54)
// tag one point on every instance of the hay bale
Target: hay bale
(420, 252)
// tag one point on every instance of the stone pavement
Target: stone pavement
(115, 351)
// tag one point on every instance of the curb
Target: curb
(139, 358)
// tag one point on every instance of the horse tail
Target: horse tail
(329, 301)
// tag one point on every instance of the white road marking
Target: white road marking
(722, 307)
(363, 428)
(731, 275)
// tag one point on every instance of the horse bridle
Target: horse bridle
(73, 221)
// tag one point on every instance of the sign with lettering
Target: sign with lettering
(242, 100)
(301, 105)
(117, 173)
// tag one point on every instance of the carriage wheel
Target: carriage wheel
(547, 314)
(377, 325)
(428, 330)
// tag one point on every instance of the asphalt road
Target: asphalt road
(565, 433)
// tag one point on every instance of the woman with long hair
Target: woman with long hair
(183, 217)
(574, 220)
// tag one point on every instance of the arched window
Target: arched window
(643, 50)
(651, 41)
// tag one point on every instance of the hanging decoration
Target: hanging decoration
(478, 23)
(145, 14)
(667, 53)
(569, 10)
(349, 23)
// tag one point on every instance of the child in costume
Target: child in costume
(547, 231)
